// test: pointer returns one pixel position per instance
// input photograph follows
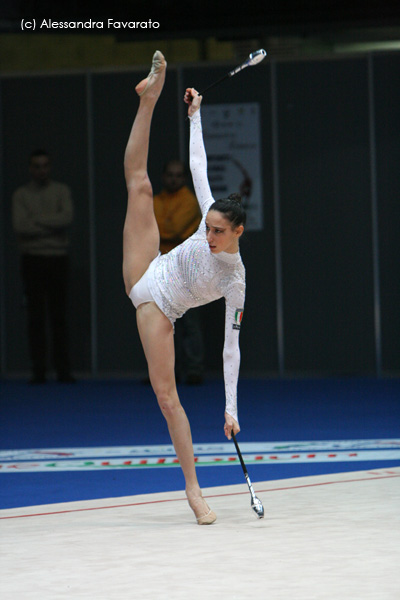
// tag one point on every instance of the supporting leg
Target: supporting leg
(156, 334)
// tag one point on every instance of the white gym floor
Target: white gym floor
(327, 537)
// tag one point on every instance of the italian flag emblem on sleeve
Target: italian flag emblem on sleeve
(238, 315)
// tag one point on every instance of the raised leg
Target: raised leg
(156, 334)
(141, 237)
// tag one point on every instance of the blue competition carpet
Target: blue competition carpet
(80, 440)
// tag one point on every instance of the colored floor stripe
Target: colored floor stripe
(202, 461)
(199, 449)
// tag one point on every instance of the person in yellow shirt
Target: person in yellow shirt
(176, 207)
(178, 216)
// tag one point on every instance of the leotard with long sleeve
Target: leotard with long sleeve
(190, 275)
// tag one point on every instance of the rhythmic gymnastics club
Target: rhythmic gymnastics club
(254, 59)
(256, 503)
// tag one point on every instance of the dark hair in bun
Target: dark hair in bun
(232, 209)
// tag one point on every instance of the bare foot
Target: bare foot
(204, 515)
(153, 84)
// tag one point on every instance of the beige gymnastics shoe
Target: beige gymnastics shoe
(207, 519)
(154, 81)
(200, 506)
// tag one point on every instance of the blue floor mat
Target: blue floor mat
(125, 413)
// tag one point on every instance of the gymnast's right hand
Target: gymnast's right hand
(193, 99)
(230, 424)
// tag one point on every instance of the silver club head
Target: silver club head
(257, 506)
(256, 57)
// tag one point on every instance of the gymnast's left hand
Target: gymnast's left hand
(230, 423)
(193, 99)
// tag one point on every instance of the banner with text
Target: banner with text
(232, 140)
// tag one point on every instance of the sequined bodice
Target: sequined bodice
(190, 275)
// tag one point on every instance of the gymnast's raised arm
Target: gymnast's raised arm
(198, 157)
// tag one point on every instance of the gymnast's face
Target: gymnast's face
(221, 236)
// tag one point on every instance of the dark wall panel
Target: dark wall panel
(47, 112)
(326, 216)
(387, 109)
(325, 194)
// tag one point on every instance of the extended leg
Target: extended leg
(141, 236)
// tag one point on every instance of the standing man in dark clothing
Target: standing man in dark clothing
(42, 210)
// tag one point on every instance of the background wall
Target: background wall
(323, 275)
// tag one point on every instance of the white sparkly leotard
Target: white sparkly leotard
(190, 275)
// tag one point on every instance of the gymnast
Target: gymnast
(205, 267)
